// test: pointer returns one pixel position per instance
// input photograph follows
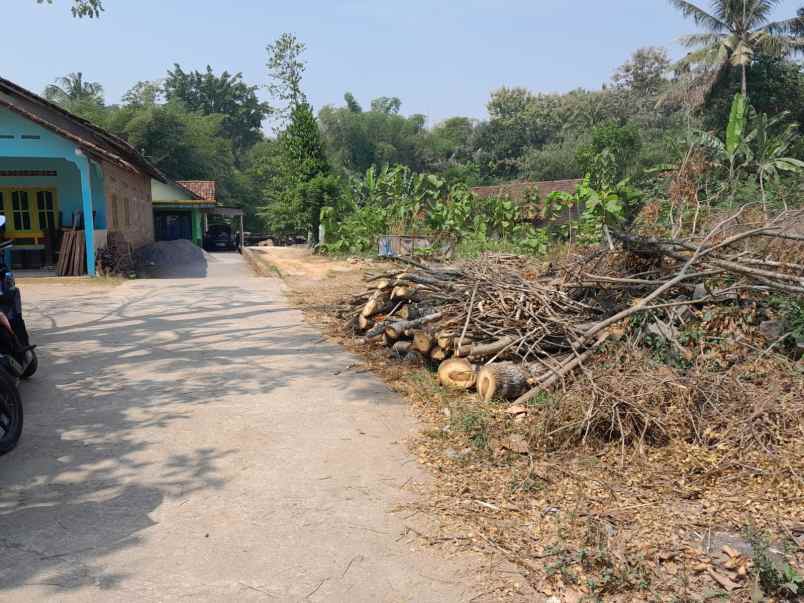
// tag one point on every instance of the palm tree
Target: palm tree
(737, 30)
(72, 89)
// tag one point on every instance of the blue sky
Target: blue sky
(441, 58)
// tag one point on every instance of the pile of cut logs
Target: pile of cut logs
(484, 324)
(492, 325)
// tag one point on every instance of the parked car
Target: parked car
(220, 236)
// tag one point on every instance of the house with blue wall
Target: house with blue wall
(60, 172)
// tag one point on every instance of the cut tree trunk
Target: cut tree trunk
(438, 354)
(444, 339)
(401, 348)
(423, 341)
(502, 381)
(383, 283)
(398, 328)
(484, 350)
(403, 292)
(414, 311)
(375, 303)
(457, 373)
(363, 322)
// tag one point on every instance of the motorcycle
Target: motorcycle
(17, 356)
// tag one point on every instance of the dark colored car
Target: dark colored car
(219, 236)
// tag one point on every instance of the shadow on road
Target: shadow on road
(117, 374)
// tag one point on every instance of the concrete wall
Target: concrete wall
(161, 191)
(128, 204)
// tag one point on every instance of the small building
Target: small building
(529, 194)
(60, 172)
(520, 189)
(180, 209)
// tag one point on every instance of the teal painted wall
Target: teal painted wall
(68, 181)
(46, 144)
(20, 154)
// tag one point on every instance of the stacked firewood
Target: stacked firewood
(485, 324)
(494, 325)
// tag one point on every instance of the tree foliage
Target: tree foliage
(73, 89)
(286, 68)
(357, 139)
(226, 95)
(736, 32)
(303, 184)
(82, 8)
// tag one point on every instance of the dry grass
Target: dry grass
(616, 486)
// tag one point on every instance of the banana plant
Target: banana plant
(771, 152)
(733, 152)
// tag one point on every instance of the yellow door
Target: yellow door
(28, 211)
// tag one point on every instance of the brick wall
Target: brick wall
(128, 204)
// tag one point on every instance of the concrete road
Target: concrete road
(193, 439)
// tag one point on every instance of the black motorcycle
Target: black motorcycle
(17, 356)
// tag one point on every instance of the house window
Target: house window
(21, 209)
(46, 209)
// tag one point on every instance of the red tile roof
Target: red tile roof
(203, 188)
(518, 189)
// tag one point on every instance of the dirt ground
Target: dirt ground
(321, 278)
(583, 525)
(194, 439)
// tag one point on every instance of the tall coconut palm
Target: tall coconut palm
(72, 89)
(737, 31)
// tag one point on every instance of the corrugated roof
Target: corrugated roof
(205, 189)
(517, 190)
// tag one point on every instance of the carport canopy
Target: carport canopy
(231, 212)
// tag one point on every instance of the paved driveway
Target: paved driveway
(193, 439)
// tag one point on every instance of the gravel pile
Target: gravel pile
(173, 259)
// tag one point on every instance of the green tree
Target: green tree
(296, 196)
(351, 103)
(225, 94)
(776, 84)
(737, 31)
(82, 8)
(389, 105)
(356, 140)
(645, 72)
(144, 93)
(286, 68)
(183, 144)
(798, 28)
(612, 154)
(771, 152)
(72, 89)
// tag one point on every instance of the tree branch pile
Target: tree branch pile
(509, 332)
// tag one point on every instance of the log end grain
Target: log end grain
(457, 373)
